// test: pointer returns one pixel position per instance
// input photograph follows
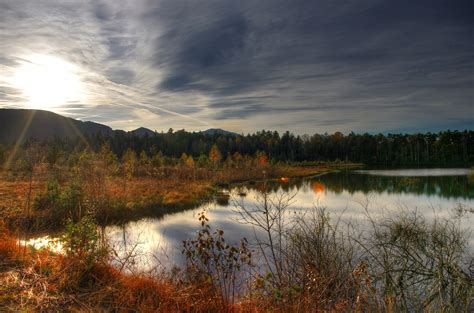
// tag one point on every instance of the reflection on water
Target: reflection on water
(419, 172)
(442, 184)
(346, 195)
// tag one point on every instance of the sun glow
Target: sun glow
(48, 82)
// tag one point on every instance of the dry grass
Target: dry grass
(301, 171)
(38, 280)
(13, 193)
(46, 282)
(42, 281)
(136, 197)
(168, 191)
(38, 285)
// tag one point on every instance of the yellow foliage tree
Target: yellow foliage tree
(129, 161)
(215, 155)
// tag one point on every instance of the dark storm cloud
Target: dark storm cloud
(196, 53)
(307, 65)
(403, 54)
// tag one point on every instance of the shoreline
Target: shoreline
(152, 198)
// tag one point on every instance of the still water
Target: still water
(348, 197)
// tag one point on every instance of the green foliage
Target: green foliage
(129, 161)
(84, 250)
(81, 239)
(144, 159)
(72, 201)
(203, 161)
(157, 159)
(68, 202)
(109, 159)
(49, 198)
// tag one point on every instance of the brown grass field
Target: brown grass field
(136, 197)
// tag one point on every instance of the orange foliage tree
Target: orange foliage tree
(214, 154)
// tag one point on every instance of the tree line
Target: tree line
(442, 148)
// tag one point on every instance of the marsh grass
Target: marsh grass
(402, 263)
(31, 195)
(420, 265)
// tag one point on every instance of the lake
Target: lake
(348, 196)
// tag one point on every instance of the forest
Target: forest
(446, 148)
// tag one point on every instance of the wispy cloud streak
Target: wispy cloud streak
(303, 65)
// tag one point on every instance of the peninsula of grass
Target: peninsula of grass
(44, 203)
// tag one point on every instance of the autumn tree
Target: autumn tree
(203, 161)
(237, 159)
(215, 155)
(144, 163)
(262, 159)
(129, 162)
(190, 162)
(109, 159)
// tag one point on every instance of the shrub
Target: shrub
(323, 261)
(63, 202)
(49, 198)
(421, 265)
(84, 251)
(210, 260)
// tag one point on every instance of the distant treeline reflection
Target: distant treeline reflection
(442, 186)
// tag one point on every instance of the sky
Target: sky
(301, 65)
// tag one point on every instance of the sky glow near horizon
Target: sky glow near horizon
(303, 65)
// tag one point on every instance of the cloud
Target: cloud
(121, 75)
(307, 66)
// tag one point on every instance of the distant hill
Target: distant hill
(43, 125)
(142, 132)
(218, 131)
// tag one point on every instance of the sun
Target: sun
(48, 82)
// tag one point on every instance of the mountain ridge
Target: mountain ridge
(217, 132)
(26, 124)
(142, 132)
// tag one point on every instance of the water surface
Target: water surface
(348, 196)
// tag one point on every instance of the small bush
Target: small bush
(82, 248)
(421, 265)
(323, 260)
(48, 199)
(211, 261)
(63, 203)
